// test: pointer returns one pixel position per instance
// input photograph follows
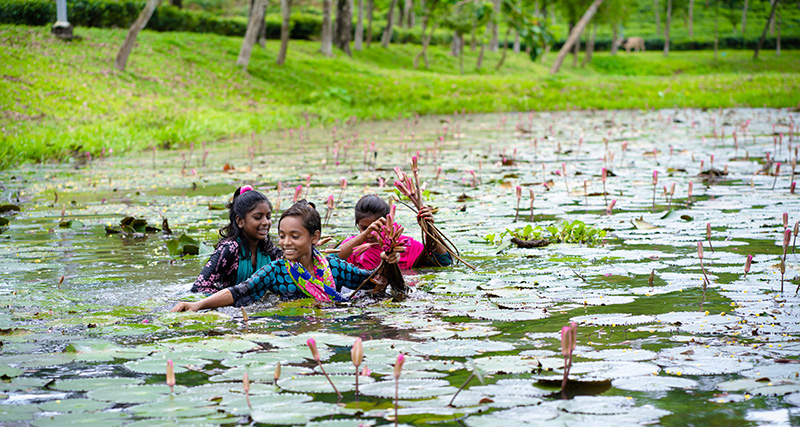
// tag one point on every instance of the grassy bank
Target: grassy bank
(62, 99)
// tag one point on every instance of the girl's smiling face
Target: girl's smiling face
(295, 239)
(256, 224)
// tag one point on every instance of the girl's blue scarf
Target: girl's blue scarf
(245, 261)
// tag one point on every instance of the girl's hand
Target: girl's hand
(425, 213)
(392, 258)
(184, 306)
(375, 228)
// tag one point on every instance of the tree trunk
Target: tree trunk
(587, 58)
(658, 17)
(409, 13)
(370, 9)
(505, 50)
(387, 32)
(480, 56)
(716, 29)
(517, 44)
(177, 3)
(455, 45)
(130, 39)
(400, 14)
(473, 42)
(574, 35)
(286, 12)
(359, 41)
(344, 26)
(461, 53)
(495, 43)
(250, 36)
(691, 18)
(326, 47)
(615, 40)
(666, 27)
(771, 20)
(778, 35)
(744, 16)
(766, 27)
(576, 50)
(426, 38)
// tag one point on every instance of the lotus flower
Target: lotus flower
(566, 331)
(357, 353)
(312, 345)
(277, 373)
(170, 375)
(747, 265)
(655, 177)
(297, 192)
(603, 174)
(365, 372)
(785, 220)
(700, 250)
(398, 366)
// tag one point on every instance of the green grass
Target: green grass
(62, 99)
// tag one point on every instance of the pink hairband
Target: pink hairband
(244, 189)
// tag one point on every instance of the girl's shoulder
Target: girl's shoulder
(229, 244)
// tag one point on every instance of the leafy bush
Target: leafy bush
(568, 232)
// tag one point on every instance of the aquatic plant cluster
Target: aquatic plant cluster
(682, 309)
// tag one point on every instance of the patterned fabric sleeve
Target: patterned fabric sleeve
(265, 279)
(220, 269)
(345, 274)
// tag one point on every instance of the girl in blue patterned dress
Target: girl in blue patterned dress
(245, 245)
(303, 272)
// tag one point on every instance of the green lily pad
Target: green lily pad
(9, 372)
(460, 348)
(17, 412)
(292, 414)
(520, 416)
(506, 364)
(158, 365)
(133, 393)
(73, 405)
(653, 383)
(174, 407)
(99, 419)
(320, 384)
(86, 384)
(512, 387)
(597, 405)
(408, 389)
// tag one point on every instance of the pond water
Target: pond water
(653, 347)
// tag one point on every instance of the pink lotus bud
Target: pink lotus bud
(573, 330)
(357, 353)
(519, 192)
(533, 195)
(689, 194)
(603, 174)
(708, 230)
(297, 192)
(313, 346)
(747, 264)
(787, 236)
(785, 219)
(277, 373)
(792, 187)
(778, 168)
(280, 186)
(672, 189)
(712, 159)
(625, 146)
(246, 383)
(330, 202)
(438, 172)
(565, 340)
(343, 183)
(610, 207)
(398, 366)
(702, 162)
(564, 168)
(655, 177)
(700, 250)
(170, 375)
(796, 228)
(414, 162)
(365, 372)
(308, 181)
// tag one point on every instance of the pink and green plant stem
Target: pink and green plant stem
(398, 369)
(603, 178)
(519, 197)
(533, 198)
(246, 387)
(568, 342)
(787, 236)
(564, 172)
(312, 345)
(655, 183)
(708, 235)
(706, 282)
(170, 376)
(777, 172)
(357, 356)
(747, 264)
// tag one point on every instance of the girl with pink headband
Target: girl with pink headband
(245, 245)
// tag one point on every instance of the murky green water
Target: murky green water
(93, 349)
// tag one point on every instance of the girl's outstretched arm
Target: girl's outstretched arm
(346, 248)
(222, 298)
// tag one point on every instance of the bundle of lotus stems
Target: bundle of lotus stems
(387, 274)
(431, 235)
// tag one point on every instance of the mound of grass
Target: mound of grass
(60, 99)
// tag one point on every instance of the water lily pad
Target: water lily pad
(512, 387)
(620, 354)
(292, 414)
(408, 389)
(506, 364)
(612, 370)
(85, 384)
(508, 315)
(792, 399)
(158, 365)
(174, 407)
(460, 348)
(73, 405)
(8, 372)
(99, 419)
(653, 383)
(237, 405)
(597, 405)
(133, 393)
(320, 384)
(521, 416)
(777, 388)
(17, 412)
(353, 422)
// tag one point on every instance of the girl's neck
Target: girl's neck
(307, 261)
(252, 245)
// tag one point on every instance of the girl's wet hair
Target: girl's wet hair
(371, 206)
(308, 216)
(240, 205)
